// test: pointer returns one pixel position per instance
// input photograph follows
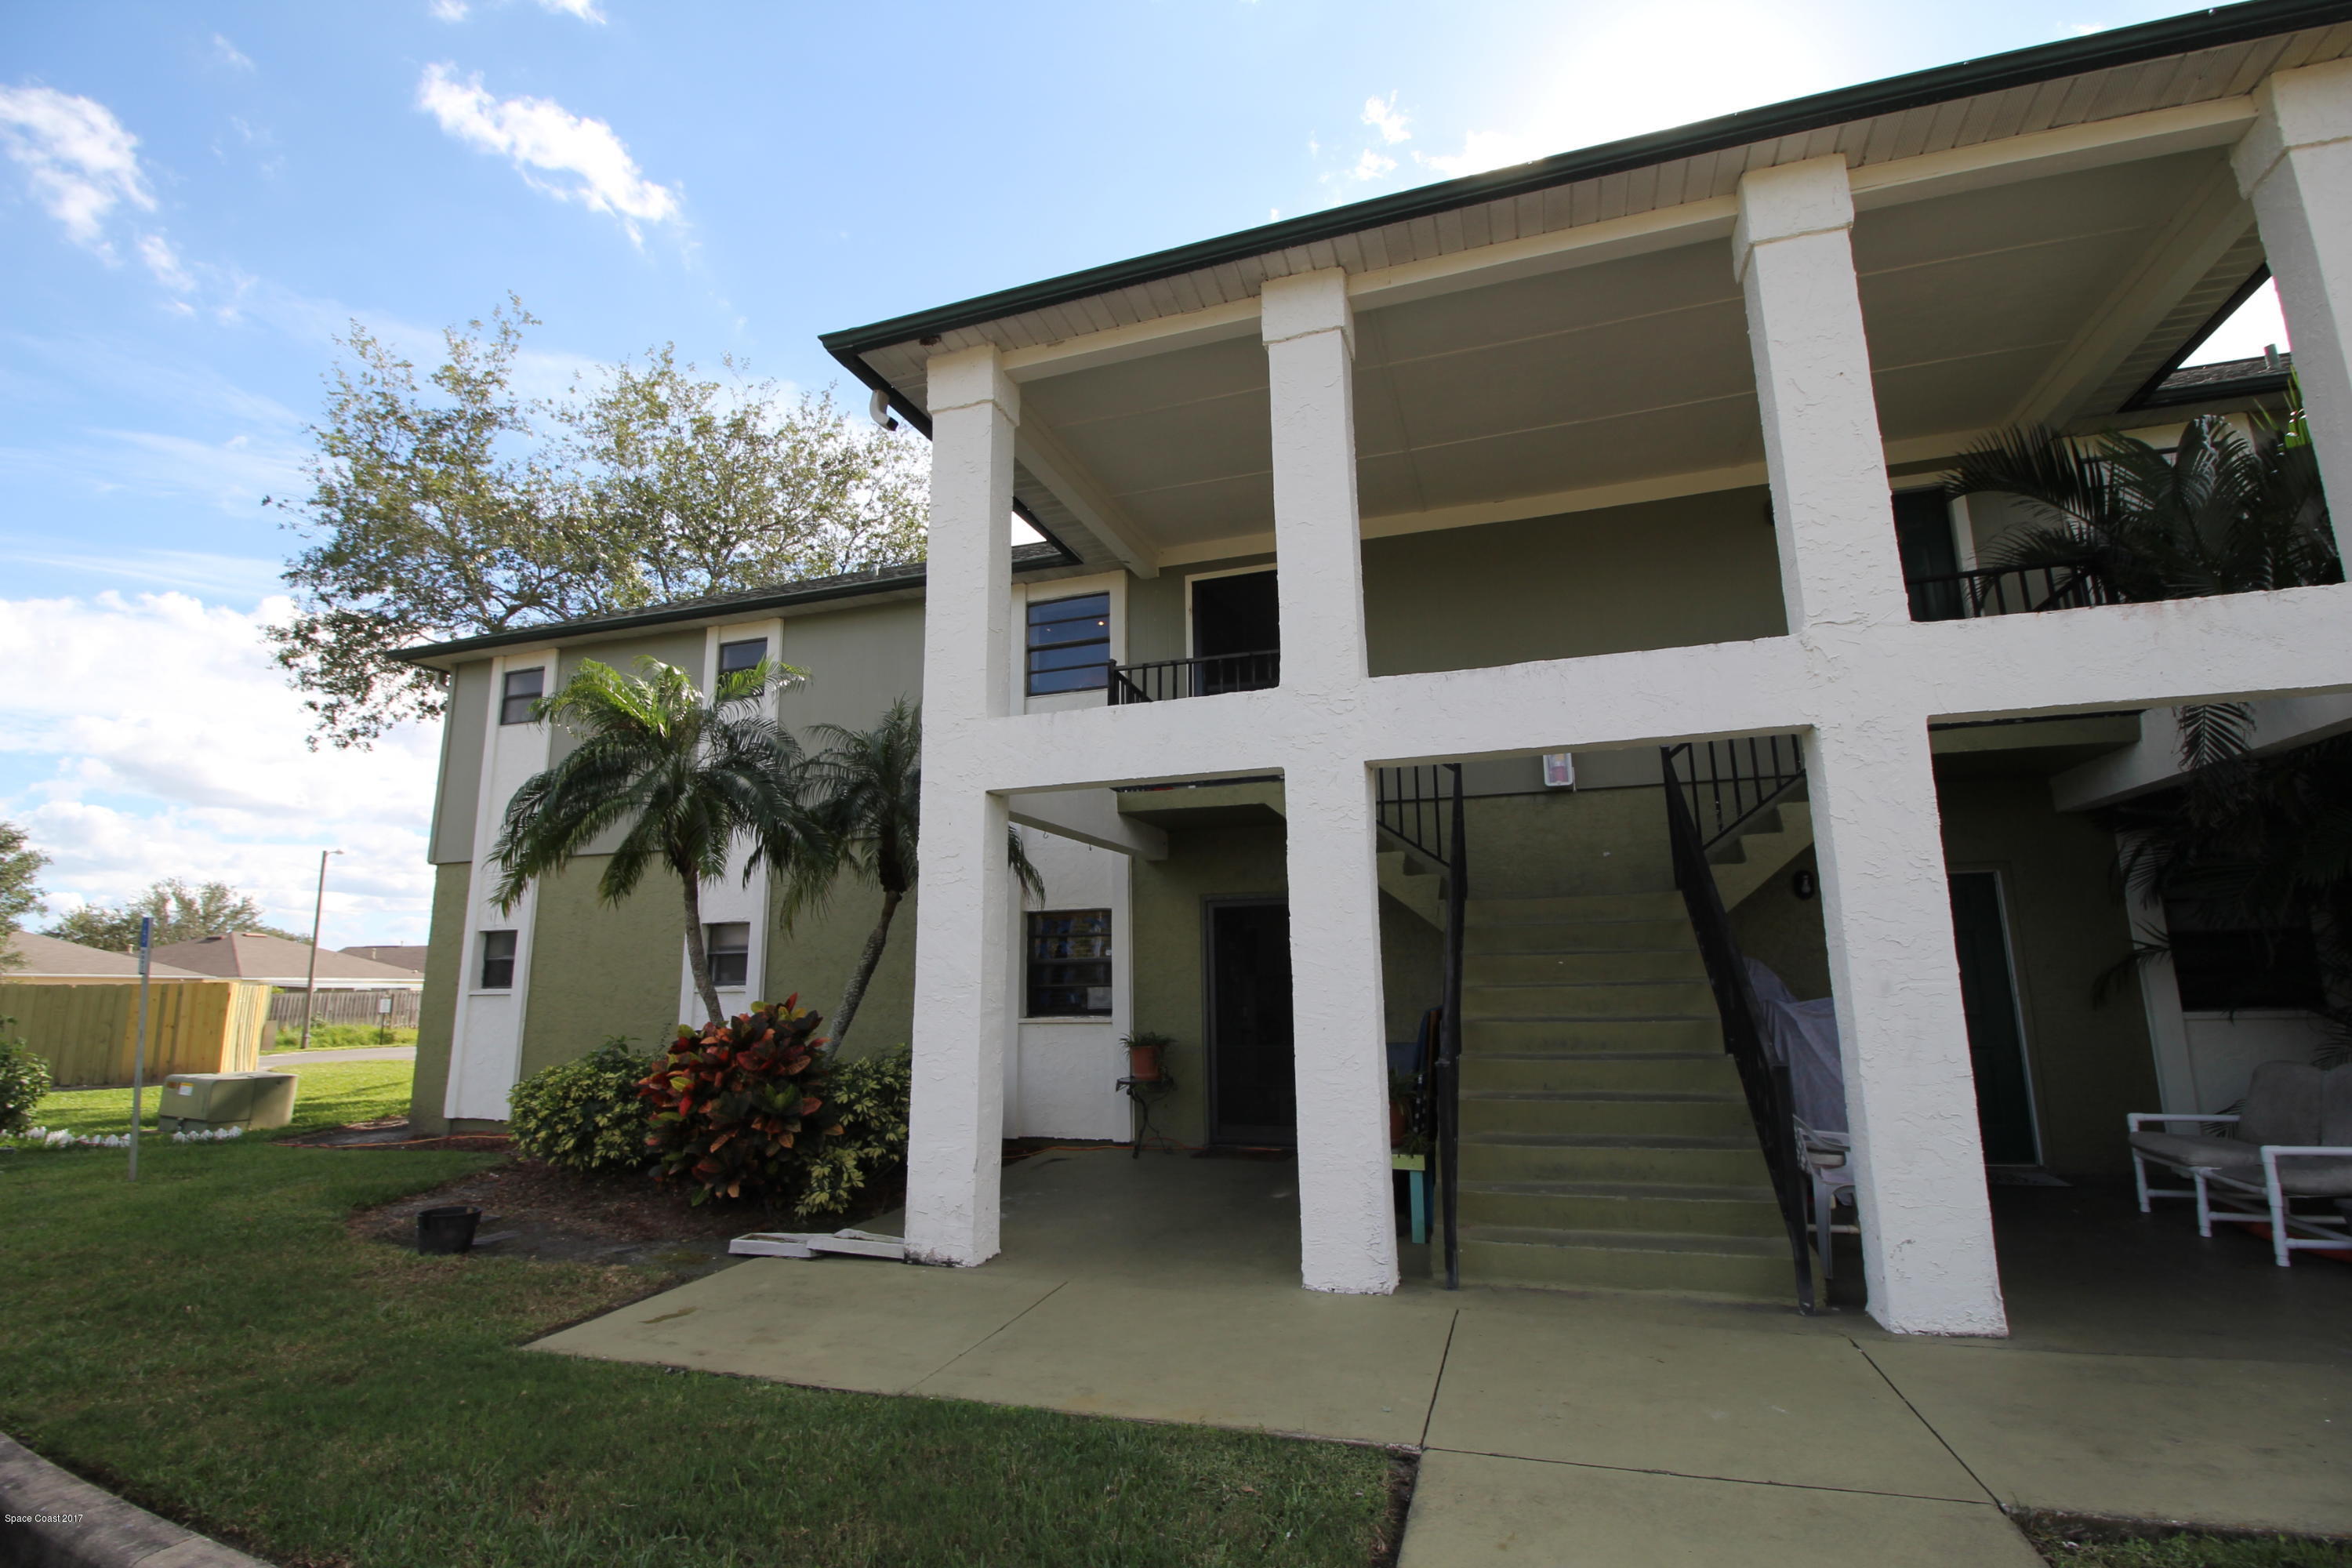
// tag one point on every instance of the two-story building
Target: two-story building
(1522, 480)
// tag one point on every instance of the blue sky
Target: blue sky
(197, 198)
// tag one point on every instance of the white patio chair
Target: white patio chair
(2292, 1139)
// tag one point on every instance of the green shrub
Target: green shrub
(585, 1114)
(869, 1101)
(24, 1079)
(736, 1106)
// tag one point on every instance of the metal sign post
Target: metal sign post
(139, 1049)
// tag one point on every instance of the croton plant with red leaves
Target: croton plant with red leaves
(737, 1107)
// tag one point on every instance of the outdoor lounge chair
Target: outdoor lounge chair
(2291, 1139)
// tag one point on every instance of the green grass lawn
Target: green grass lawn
(328, 1095)
(212, 1344)
(2083, 1544)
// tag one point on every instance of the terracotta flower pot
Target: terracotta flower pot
(1396, 1125)
(1143, 1062)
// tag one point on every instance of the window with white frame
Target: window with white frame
(522, 692)
(734, 656)
(727, 945)
(1069, 645)
(1069, 963)
(498, 961)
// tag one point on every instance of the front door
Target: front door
(1996, 1037)
(1236, 627)
(1253, 1094)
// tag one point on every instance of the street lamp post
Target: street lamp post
(318, 920)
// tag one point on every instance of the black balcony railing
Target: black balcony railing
(1725, 783)
(2008, 591)
(1173, 678)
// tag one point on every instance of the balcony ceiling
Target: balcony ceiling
(1638, 369)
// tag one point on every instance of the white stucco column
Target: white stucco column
(1839, 566)
(2295, 166)
(963, 916)
(1310, 347)
(1347, 1221)
(1346, 1215)
(1910, 1089)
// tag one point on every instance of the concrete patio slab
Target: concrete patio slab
(1598, 1383)
(1475, 1509)
(1281, 1358)
(2217, 1441)
(839, 1322)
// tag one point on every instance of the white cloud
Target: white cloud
(543, 138)
(228, 54)
(77, 157)
(1371, 165)
(149, 736)
(164, 263)
(1380, 114)
(583, 9)
(449, 10)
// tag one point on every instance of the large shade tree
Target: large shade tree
(181, 913)
(681, 778)
(446, 503)
(20, 893)
(863, 795)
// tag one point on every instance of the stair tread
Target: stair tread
(1609, 1096)
(1670, 1192)
(1629, 1240)
(1601, 1056)
(1578, 985)
(1606, 1140)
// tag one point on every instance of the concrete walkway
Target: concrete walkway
(1555, 1428)
(289, 1061)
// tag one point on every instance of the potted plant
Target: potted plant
(1404, 1089)
(1143, 1050)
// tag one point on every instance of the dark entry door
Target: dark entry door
(1253, 1095)
(1996, 1044)
(1235, 625)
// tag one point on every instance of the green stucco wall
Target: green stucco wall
(816, 956)
(1698, 568)
(1413, 968)
(1783, 933)
(2068, 923)
(1567, 842)
(598, 969)
(437, 1017)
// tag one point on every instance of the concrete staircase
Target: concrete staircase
(1605, 1140)
(1764, 844)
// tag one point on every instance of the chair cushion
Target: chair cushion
(2316, 1176)
(2336, 1108)
(2282, 1105)
(2215, 1154)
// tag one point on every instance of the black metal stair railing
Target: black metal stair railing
(1167, 680)
(1770, 1104)
(1727, 783)
(1422, 808)
(2010, 591)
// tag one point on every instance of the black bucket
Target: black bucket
(447, 1230)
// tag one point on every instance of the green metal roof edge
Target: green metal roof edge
(815, 593)
(2018, 67)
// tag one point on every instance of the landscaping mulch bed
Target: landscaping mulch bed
(536, 1210)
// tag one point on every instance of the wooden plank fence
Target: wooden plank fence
(86, 1031)
(348, 1007)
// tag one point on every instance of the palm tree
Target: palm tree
(686, 775)
(2222, 512)
(866, 821)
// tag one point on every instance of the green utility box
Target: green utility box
(199, 1102)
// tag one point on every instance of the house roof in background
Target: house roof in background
(50, 957)
(899, 579)
(248, 955)
(400, 956)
